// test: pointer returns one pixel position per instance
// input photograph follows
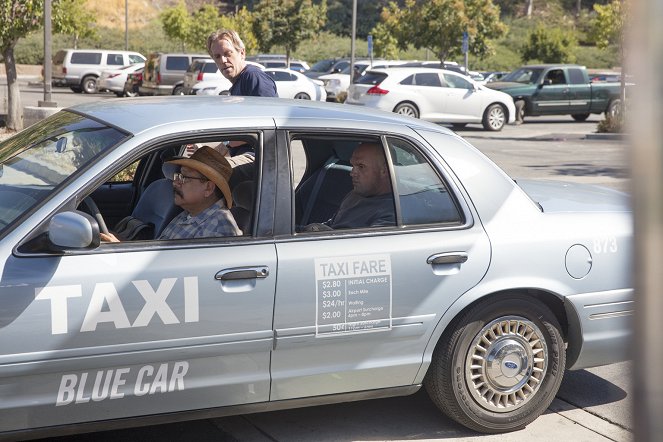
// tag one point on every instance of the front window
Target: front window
(524, 75)
(36, 161)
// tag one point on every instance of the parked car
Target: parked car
(279, 61)
(559, 89)
(200, 70)
(164, 73)
(489, 77)
(80, 68)
(484, 290)
(434, 95)
(289, 84)
(338, 83)
(132, 85)
(113, 80)
(327, 66)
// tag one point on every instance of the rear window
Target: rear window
(58, 58)
(86, 58)
(576, 76)
(281, 76)
(210, 68)
(177, 63)
(372, 78)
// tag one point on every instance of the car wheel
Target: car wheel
(408, 109)
(178, 90)
(302, 96)
(76, 89)
(614, 108)
(89, 84)
(500, 366)
(580, 117)
(494, 118)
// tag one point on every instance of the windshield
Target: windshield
(37, 160)
(358, 67)
(524, 75)
(322, 66)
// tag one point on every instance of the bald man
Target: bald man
(370, 203)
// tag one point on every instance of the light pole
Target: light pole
(48, 63)
(352, 44)
(126, 25)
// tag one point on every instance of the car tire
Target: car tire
(302, 96)
(178, 90)
(484, 374)
(580, 117)
(614, 108)
(494, 118)
(76, 89)
(407, 109)
(89, 84)
(119, 94)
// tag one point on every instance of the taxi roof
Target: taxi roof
(136, 115)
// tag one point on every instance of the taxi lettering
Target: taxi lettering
(106, 306)
(112, 383)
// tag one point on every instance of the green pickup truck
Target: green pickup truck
(558, 89)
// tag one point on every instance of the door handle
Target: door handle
(259, 272)
(447, 258)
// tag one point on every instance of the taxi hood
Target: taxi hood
(561, 196)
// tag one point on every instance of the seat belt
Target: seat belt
(316, 188)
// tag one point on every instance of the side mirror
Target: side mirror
(73, 230)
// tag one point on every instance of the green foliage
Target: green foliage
(18, 18)
(439, 26)
(287, 22)
(71, 17)
(549, 45)
(176, 23)
(608, 26)
(202, 23)
(339, 16)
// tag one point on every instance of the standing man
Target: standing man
(227, 50)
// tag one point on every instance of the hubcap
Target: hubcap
(406, 111)
(506, 364)
(496, 118)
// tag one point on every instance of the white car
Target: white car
(339, 82)
(289, 84)
(435, 95)
(113, 79)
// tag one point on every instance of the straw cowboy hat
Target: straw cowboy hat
(212, 164)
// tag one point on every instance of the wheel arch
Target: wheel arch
(411, 103)
(502, 105)
(452, 316)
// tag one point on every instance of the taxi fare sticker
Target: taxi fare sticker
(353, 294)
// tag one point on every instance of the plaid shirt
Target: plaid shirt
(214, 221)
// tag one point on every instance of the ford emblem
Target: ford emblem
(510, 365)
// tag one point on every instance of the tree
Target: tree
(18, 18)
(287, 22)
(438, 25)
(549, 46)
(73, 18)
(176, 23)
(608, 29)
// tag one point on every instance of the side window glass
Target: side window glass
(423, 196)
(115, 60)
(428, 79)
(409, 80)
(135, 59)
(457, 82)
(556, 76)
(576, 76)
(345, 184)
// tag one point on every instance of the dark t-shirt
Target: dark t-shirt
(357, 211)
(254, 82)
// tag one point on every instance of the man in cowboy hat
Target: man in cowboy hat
(200, 187)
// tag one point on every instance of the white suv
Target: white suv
(80, 68)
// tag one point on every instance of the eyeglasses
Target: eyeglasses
(182, 179)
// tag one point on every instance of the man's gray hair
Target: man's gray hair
(225, 34)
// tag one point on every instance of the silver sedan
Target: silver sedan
(482, 289)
